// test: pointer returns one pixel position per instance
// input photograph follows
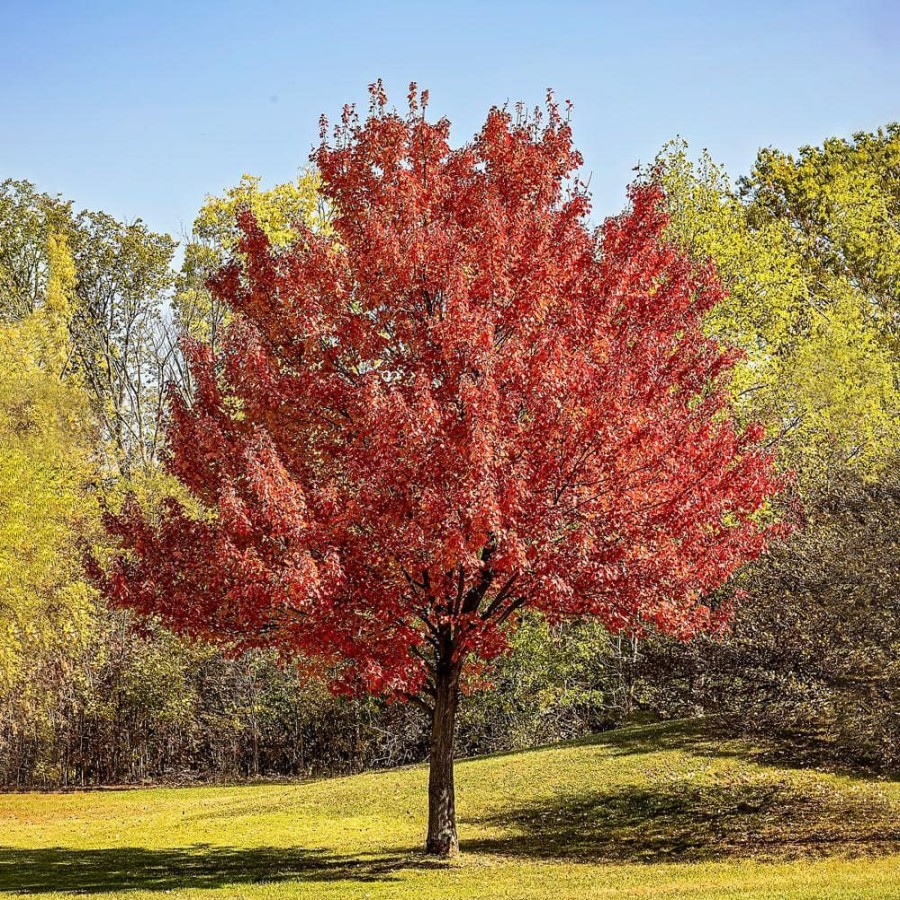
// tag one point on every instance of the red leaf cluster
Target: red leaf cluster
(463, 403)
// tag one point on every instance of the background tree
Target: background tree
(123, 346)
(28, 220)
(815, 322)
(840, 203)
(45, 473)
(463, 405)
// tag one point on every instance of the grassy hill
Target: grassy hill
(658, 811)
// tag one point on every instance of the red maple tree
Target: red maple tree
(463, 404)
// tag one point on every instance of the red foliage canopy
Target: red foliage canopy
(462, 404)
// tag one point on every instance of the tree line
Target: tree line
(93, 316)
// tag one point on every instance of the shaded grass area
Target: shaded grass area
(686, 822)
(668, 807)
(202, 866)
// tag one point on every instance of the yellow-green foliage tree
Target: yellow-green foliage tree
(28, 218)
(45, 471)
(809, 249)
(840, 204)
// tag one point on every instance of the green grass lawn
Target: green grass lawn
(658, 811)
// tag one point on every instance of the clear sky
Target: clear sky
(142, 108)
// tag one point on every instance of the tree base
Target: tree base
(444, 847)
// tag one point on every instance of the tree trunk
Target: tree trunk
(442, 839)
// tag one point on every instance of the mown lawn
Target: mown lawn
(658, 811)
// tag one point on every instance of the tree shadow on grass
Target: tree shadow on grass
(36, 871)
(683, 821)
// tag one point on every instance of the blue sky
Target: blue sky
(142, 108)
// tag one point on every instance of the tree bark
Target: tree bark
(442, 839)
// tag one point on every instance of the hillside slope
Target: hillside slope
(658, 811)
